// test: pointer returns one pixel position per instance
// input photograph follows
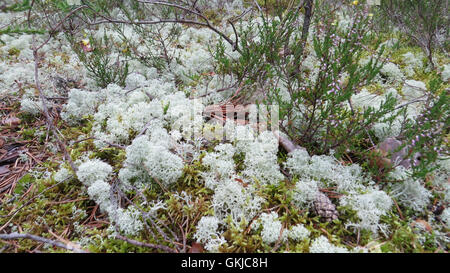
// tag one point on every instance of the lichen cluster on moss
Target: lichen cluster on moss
(236, 195)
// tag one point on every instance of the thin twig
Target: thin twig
(398, 209)
(206, 22)
(280, 237)
(287, 144)
(55, 29)
(15, 236)
(410, 102)
(115, 145)
(49, 119)
(149, 218)
(218, 90)
(142, 244)
(12, 214)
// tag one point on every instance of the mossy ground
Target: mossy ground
(62, 211)
(35, 203)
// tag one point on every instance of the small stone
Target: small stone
(398, 157)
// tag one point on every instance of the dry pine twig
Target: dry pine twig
(142, 244)
(49, 119)
(15, 236)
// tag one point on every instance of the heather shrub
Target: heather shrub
(18, 27)
(425, 136)
(424, 22)
(140, 34)
(103, 63)
(314, 93)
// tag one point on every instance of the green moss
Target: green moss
(402, 239)
(214, 16)
(376, 88)
(113, 156)
(27, 118)
(240, 241)
(44, 209)
(191, 176)
(270, 5)
(396, 55)
(13, 52)
(28, 134)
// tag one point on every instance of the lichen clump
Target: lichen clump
(153, 168)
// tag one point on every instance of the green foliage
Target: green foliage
(327, 119)
(23, 184)
(28, 134)
(241, 241)
(19, 28)
(402, 240)
(424, 22)
(19, 6)
(426, 135)
(14, 52)
(192, 174)
(318, 114)
(97, 57)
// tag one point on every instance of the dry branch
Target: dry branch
(191, 10)
(15, 236)
(49, 119)
(142, 244)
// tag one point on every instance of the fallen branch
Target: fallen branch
(49, 119)
(150, 219)
(15, 236)
(205, 22)
(286, 143)
(411, 102)
(142, 244)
